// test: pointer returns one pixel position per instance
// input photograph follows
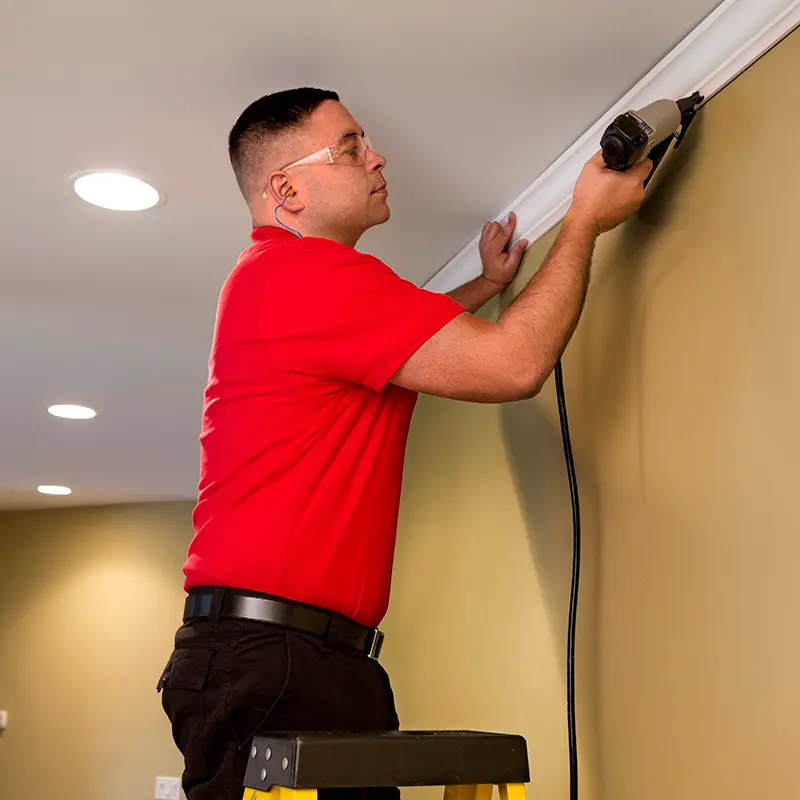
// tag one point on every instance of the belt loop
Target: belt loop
(217, 600)
(332, 634)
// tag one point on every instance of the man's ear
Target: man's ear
(279, 191)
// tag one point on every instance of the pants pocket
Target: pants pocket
(181, 685)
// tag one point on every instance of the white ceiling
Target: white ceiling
(115, 310)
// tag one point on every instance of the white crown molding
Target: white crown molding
(728, 41)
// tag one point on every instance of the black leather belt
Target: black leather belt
(332, 627)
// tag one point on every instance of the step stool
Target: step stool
(467, 763)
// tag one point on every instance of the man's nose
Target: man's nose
(376, 161)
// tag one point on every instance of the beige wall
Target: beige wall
(89, 602)
(683, 388)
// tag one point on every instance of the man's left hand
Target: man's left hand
(500, 264)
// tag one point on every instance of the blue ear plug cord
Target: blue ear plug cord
(296, 233)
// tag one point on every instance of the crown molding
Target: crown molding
(727, 42)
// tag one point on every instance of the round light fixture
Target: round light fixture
(116, 191)
(60, 490)
(72, 412)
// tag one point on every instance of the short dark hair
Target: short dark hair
(263, 120)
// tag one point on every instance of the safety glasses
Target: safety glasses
(352, 152)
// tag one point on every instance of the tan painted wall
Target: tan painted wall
(89, 602)
(683, 388)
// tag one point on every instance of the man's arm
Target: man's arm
(474, 294)
(472, 359)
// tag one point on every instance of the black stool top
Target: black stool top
(390, 758)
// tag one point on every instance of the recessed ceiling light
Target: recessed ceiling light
(54, 490)
(116, 191)
(72, 412)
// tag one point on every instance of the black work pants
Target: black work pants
(228, 679)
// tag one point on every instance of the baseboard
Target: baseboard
(727, 42)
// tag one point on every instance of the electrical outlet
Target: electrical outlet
(168, 788)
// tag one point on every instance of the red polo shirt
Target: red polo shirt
(303, 438)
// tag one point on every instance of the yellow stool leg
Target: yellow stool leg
(478, 792)
(512, 791)
(280, 793)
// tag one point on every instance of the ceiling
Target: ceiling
(115, 310)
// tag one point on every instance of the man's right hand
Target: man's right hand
(605, 197)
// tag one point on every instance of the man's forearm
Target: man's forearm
(543, 317)
(476, 293)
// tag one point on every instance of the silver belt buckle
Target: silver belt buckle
(375, 644)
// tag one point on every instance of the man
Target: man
(318, 355)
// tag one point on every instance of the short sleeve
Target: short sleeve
(354, 319)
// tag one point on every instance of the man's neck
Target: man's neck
(348, 239)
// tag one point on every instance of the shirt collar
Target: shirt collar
(268, 233)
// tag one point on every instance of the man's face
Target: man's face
(344, 199)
